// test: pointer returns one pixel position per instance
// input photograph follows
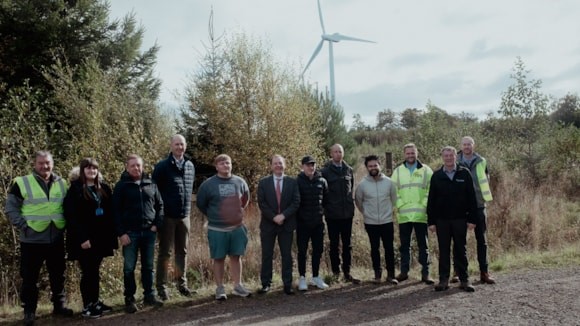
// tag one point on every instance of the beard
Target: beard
(374, 172)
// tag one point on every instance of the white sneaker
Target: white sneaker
(318, 282)
(241, 291)
(302, 286)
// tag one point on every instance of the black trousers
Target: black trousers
(304, 234)
(481, 238)
(340, 230)
(32, 256)
(90, 276)
(456, 231)
(268, 240)
(384, 233)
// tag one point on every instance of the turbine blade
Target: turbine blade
(336, 37)
(321, 20)
(316, 51)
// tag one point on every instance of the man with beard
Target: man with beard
(374, 197)
(412, 180)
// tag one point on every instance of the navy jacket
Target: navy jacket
(451, 199)
(136, 207)
(313, 197)
(176, 186)
(340, 204)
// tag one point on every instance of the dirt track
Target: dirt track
(527, 297)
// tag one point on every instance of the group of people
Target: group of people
(142, 209)
(96, 219)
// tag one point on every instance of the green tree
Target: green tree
(38, 33)
(410, 118)
(524, 120)
(386, 119)
(333, 129)
(567, 110)
(244, 103)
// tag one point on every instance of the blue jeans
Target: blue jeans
(144, 242)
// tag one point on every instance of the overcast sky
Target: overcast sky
(458, 54)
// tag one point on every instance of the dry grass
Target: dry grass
(526, 227)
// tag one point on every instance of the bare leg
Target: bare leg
(218, 271)
(236, 269)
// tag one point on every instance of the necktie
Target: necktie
(278, 193)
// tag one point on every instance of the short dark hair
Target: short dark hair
(371, 157)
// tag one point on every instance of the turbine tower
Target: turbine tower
(330, 38)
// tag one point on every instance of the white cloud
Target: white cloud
(457, 53)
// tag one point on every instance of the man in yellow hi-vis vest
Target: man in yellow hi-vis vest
(477, 165)
(34, 206)
(412, 179)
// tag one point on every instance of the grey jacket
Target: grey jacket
(375, 199)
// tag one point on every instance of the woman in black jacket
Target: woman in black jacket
(90, 231)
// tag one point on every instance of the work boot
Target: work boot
(349, 278)
(442, 286)
(486, 278)
(29, 317)
(402, 277)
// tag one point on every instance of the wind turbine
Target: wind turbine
(330, 38)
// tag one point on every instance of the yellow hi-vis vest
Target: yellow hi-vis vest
(38, 210)
(480, 168)
(412, 193)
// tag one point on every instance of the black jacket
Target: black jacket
(451, 199)
(175, 185)
(313, 198)
(136, 206)
(83, 224)
(340, 204)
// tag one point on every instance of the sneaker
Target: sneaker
(455, 278)
(318, 282)
(131, 307)
(392, 280)
(163, 295)
(103, 307)
(467, 287)
(302, 286)
(427, 280)
(151, 300)
(241, 291)
(220, 293)
(91, 311)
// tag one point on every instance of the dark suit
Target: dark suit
(269, 230)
